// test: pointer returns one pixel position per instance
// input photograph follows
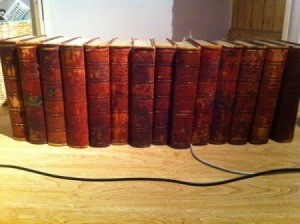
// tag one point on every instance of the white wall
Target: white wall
(138, 18)
(294, 23)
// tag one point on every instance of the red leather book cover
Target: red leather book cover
(32, 89)
(206, 90)
(141, 93)
(246, 93)
(163, 83)
(74, 86)
(283, 126)
(119, 76)
(268, 92)
(53, 91)
(14, 93)
(98, 91)
(184, 96)
(226, 86)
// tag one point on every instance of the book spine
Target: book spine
(74, 85)
(185, 90)
(53, 94)
(206, 90)
(163, 79)
(225, 94)
(32, 93)
(98, 95)
(267, 95)
(119, 75)
(283, 126)
(14, 93)
(246, 93)
(141, 96)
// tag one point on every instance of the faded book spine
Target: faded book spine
(98, 94)
(141, 96)
(225, 94)
(32, 93)
(185, 90)
(53, 94)
(119, 76)
(11, 74)
(246, 93)
(283, 126)
(267, 95)
(206, 90)
(163, 78)
(74, 85)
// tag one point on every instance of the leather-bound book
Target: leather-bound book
(246, 93)
(98, 91)
(226, 86)
(283, 126)
(184, 96)
(53, 91)
(32, 89)
(206, 91)
(119, 52)
(141, 93)
(14, 93)
(268, 92)
(74, 86)
(163, 80)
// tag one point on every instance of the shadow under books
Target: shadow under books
(5, 127)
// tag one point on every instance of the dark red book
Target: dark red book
(246, 93)
(119, 51)
(268, 92)
(184, 96)
(12, 80)
(141, 93)
(206, 90)
(163, 80)
(98, 91)
(32, 89)
(74, 86)
(228, 75)
(283, 126)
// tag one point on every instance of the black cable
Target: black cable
(154, 179)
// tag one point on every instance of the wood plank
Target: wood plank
(234, 34)
(257, 15)
(248, 14)
(269, 10)
(235, 8)
(279, 15)
(241, 14)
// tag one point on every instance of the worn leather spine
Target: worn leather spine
(184, 96)
(32, 92)
(246, 93)
(119, 76)
(98, 94)
(225, 94)
(141, 96)
(283, 126)
(53, 94)
(268, 94)
(74, 85)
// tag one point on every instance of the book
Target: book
(141, 93)
(184, 96)
(32, 89)
(268, 92)
(285, 116)
(163, 86)
(98, 91)
(246, 93)
(12, 81)
(119, 52)
(51, 79)
(231, 57)
(206, 90)
(74, 87)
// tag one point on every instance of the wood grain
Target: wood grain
(279, 15)
(257, 15)
(269, 9)
(29, 198)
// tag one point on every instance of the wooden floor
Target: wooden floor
(29, 198)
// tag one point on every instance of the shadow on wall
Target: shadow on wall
(208, 19)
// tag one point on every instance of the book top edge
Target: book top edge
(17, 39)
(142, 44)
(249, 44)
(36, 40)
(121, 42)
(98, 42)
(77, 42)
(186, 45)
(58, 40)
(225, 43)
(290, 44)
(269, 44)
(208, 44)
(163, 44)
